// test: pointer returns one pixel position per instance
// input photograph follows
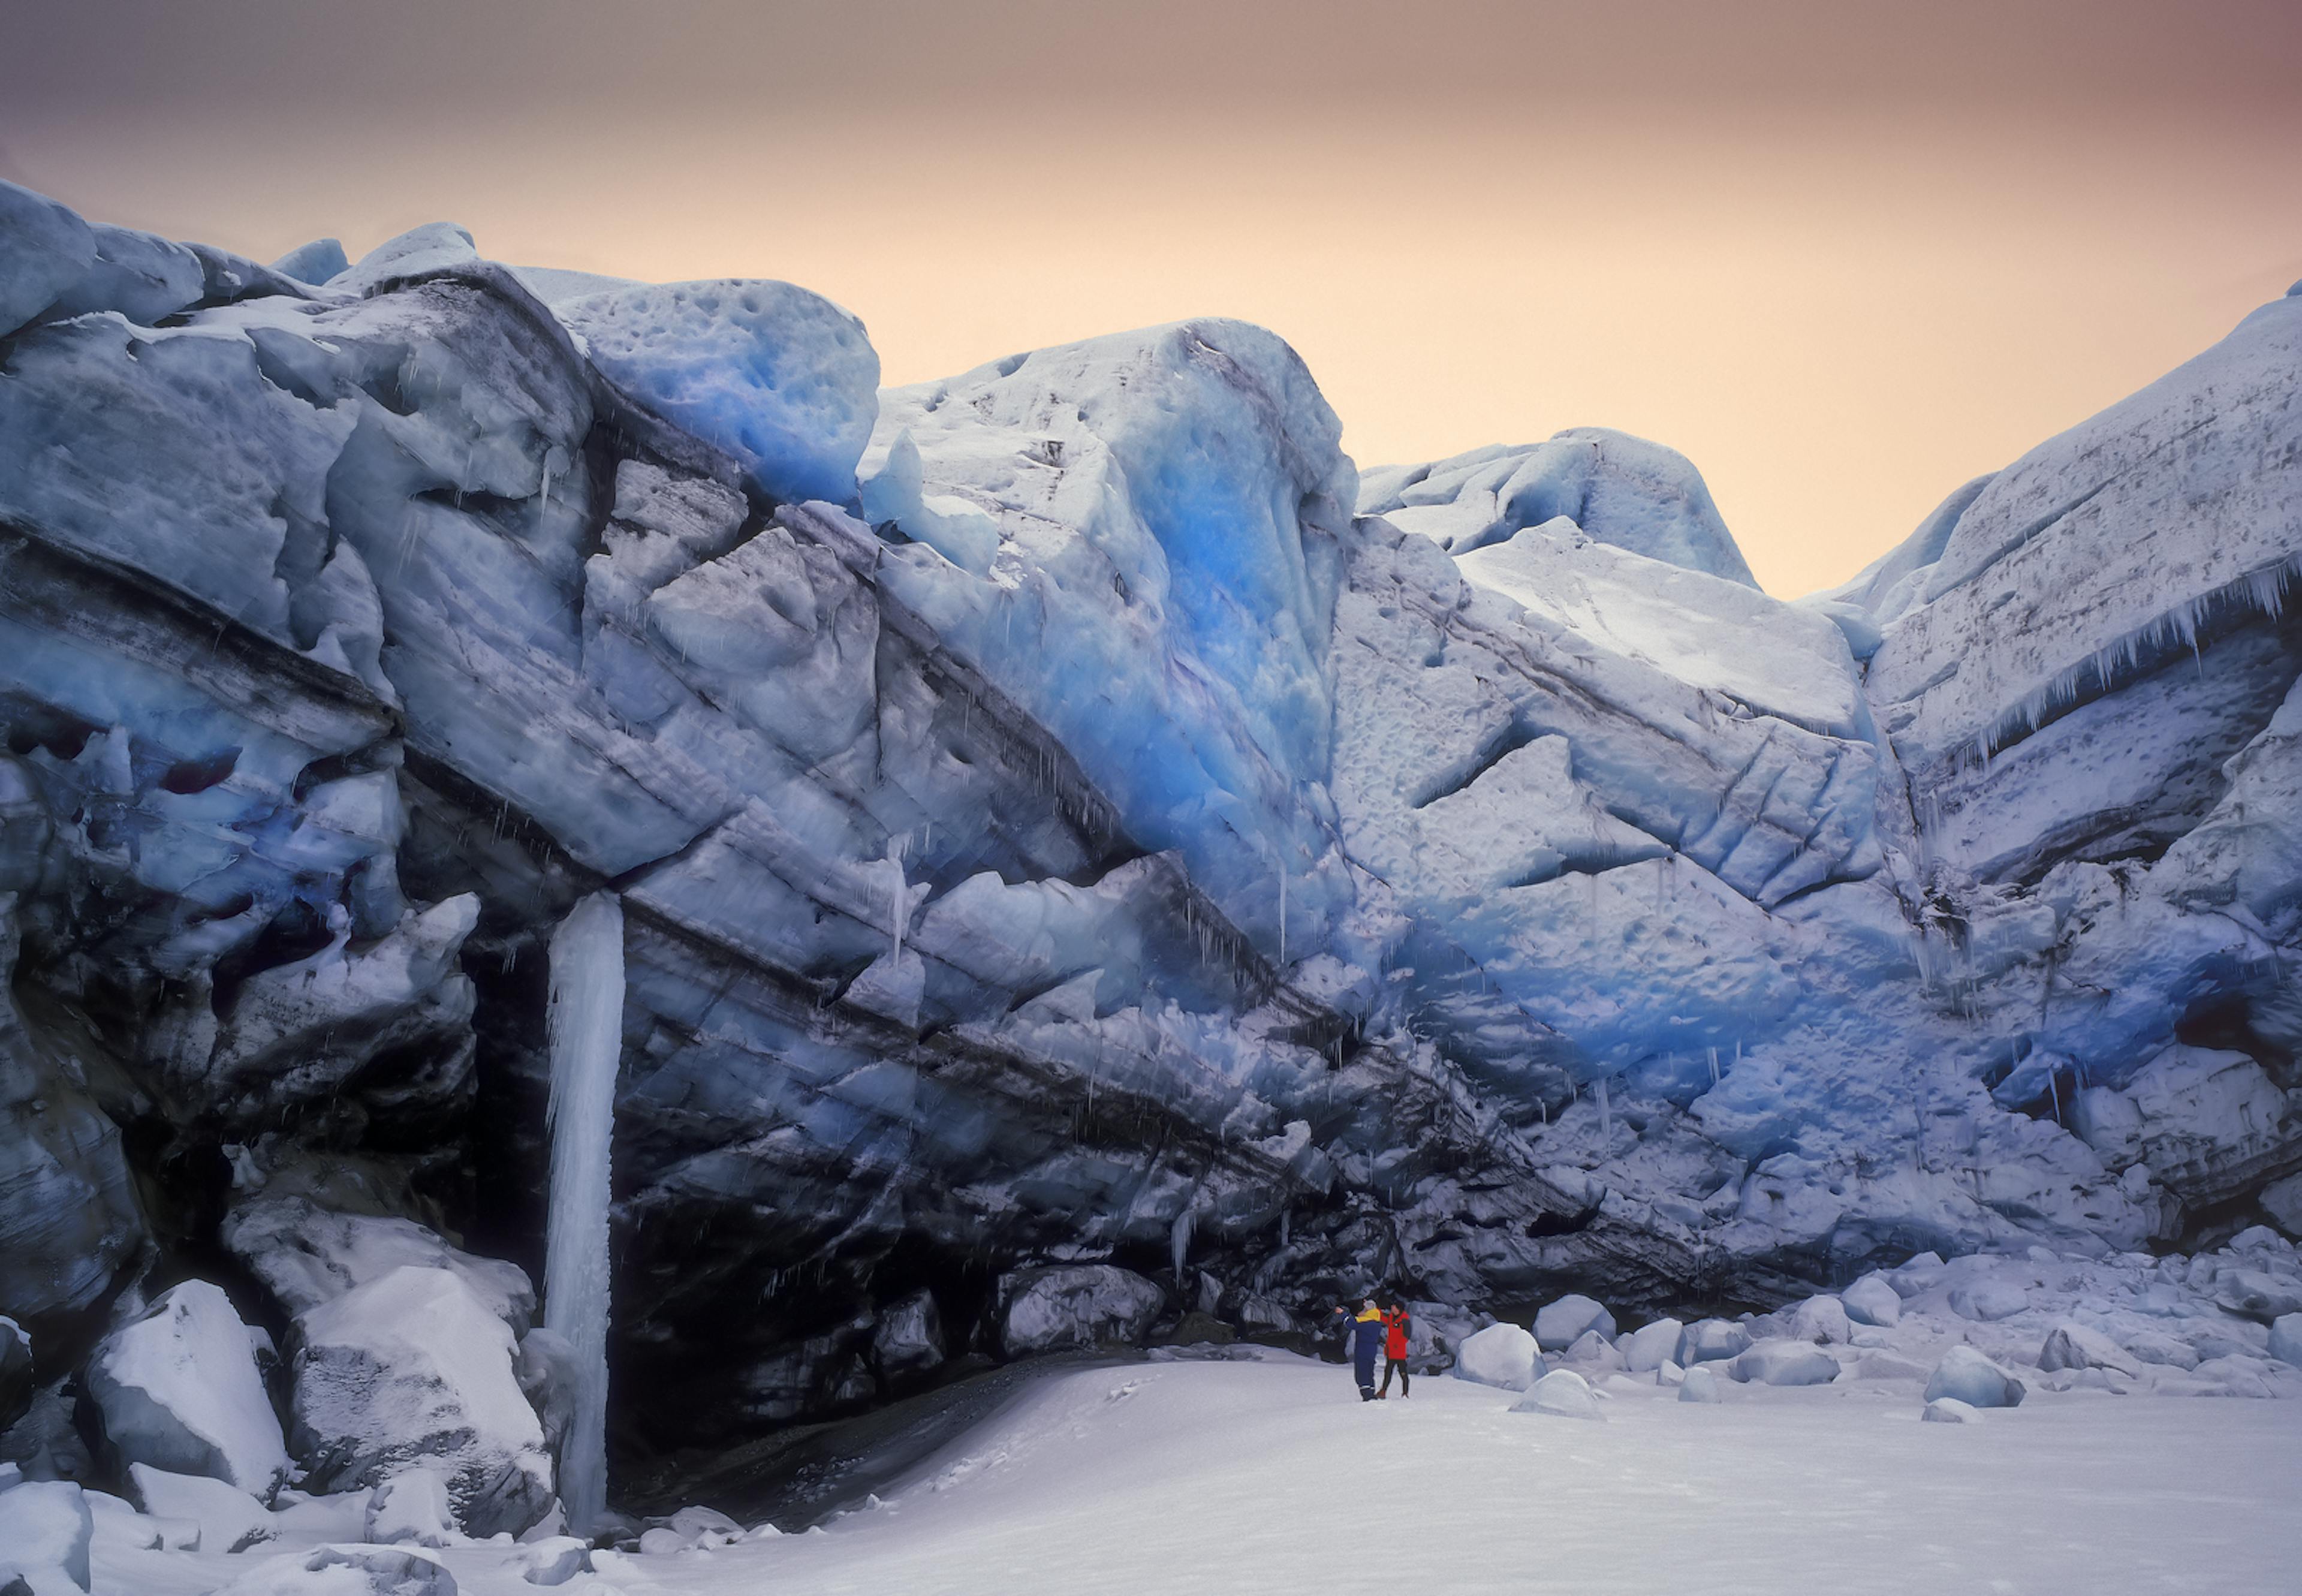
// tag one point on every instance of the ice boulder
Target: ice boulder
(1502, 1354)
(1948, 1410)
(554, 1560)
(1594, 1352)
(2283, 1201)
(307, 1255)
(2075, 1347)
(415, 1366)
(45, 1525)
(2258, 1294)
(1562, 1394)
(1651, 1346)
(781, 379)
(1973, 1378)
(179, 1389)
(1872, 1300)
(412, 1508)
(2286, 1339)
(230, 1519)
(1701, 1385)
(1561, 1323)
(1786, 1362)
(43, 249)
(1822, 1320)
(16, 1384)
(313, 263)
(1988, 1298)
(345, 1571)
(1709, 1340)
(909, 1335)
(1079, 1305)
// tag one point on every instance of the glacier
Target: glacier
(1087, 853)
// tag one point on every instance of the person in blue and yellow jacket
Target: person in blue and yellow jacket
(1364, 1331)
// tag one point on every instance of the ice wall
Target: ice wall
(587, 1044)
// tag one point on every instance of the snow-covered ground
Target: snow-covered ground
(1269, 1476)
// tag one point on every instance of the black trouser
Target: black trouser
(1389, 1364)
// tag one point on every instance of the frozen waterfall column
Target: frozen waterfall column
(587, 1031)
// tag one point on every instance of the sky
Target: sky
(1845, 257)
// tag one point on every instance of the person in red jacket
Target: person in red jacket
(1396, 1326)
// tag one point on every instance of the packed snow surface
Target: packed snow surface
(1270, 1476)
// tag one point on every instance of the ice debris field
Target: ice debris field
(586, 892)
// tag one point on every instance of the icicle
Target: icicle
(1606, 1116)
(1282, 916)
(586, 1030)
(899, 901)
(1286, 1227)
(2054, 1091)
(1714, 1065)
(1178, 1241)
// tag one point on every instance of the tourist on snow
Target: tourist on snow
(1396, 1326)
(1363, 1330)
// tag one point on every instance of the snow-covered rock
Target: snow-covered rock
(1784, 1362)
(1651, 1345)
(1701, 1385)
(2070, 1346)
(1973, 1378)
(1562, 1394)
(1872, 1300)
(2286, 1339)
(1560, 1322)
(1948, 1410)
(179, 1389)
(1079, 1304)
(414, 1367)
(412, 1508)
(45, 1525)
(230, 1519)
(307, 1255)
(1504, 1355)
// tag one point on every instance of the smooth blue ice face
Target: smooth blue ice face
(1136, 537)
(781, 379)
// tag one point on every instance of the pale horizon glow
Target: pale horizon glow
(1840, 312)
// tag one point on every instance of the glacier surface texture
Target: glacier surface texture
(1085, 853)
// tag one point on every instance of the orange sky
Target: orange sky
(1842, 256)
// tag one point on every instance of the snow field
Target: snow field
(1269, 1476)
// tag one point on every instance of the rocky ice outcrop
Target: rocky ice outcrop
(1054, 833)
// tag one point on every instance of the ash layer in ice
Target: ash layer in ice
(1085, 852)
